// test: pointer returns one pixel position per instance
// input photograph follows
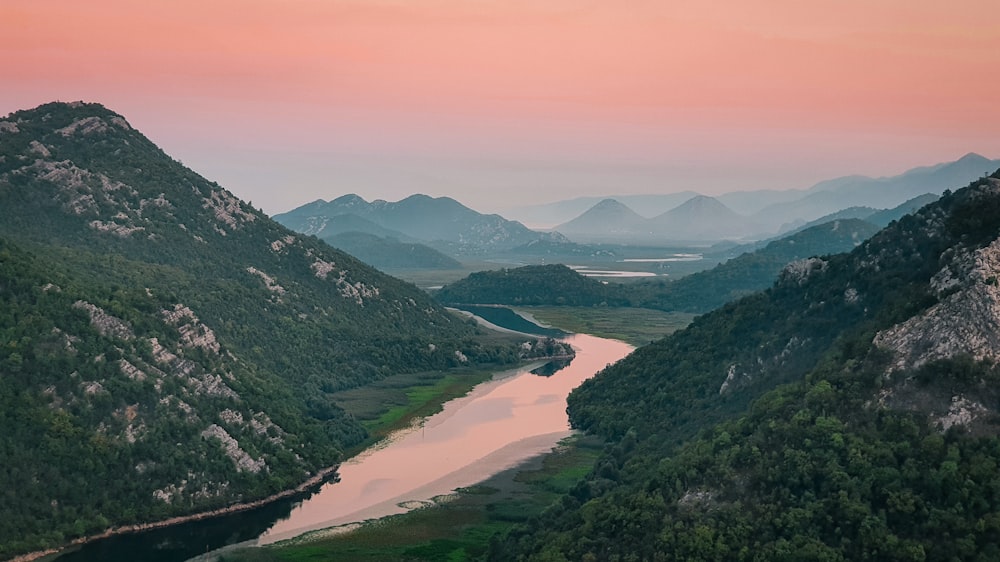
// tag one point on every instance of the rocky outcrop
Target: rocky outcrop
(243, 461)
(106, 324)
(966, 320)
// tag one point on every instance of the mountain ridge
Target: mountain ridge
(441, 222)
(848, 412)
(167, 339)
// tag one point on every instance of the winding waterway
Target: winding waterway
(501, 423)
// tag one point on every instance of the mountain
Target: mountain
(751, 271)
(849, 412)
(607, 219)
(324, 227)
(701, 218)
(546, 215)
(700, 292)
(442, 221)
(877, 217)
(771, 208)
(165, 348)
(750, 202)
(884, 217)
(389, 253)
(833, 195)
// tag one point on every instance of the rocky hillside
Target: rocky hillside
(850, 412)
(167, 348)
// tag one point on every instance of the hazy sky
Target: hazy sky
(499, 102)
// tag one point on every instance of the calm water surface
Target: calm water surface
(498, 425)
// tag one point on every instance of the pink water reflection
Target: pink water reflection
(499, 424)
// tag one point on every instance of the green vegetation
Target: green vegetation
(460, 528)
(769, 430)
(389, 253)
(166, 348)
(531, 285)
(393, 402)
(637, 326)
(506, 318)
(557, 285)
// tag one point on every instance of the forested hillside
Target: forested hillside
(389, 253)
(532, 285)
(847, 413)
(698, 292)
(749, 272)
(164, 346)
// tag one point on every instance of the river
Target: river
(501, 423)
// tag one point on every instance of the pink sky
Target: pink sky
(497, 102)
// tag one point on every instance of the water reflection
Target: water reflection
(551, 368)
(498, 425)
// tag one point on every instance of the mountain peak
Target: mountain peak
(973, 157)
(607, 217)
(349, 200)
(420, 217)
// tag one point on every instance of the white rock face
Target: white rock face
(799, 271)
(85, 126)
(9, 127)
(131, 371)
(961, 412)
(106, 324)
(322, 268)
(965, 322)
(243, 461)
(194, 334)
(357, 291)
(227, 209)
(124, 231)
(270, 282)
(38, 148)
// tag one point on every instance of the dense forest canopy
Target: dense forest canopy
(847, 413)
(168, 341)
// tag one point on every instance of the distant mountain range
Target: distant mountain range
(698, 219)
(773, 208)
(831, 196)
(546, 215)
(750, 271)
(440, 222)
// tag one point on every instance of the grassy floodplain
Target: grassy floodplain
(460, 527)
(637, 326)
(457, 529)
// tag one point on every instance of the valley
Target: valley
(195, 357)
(487, 281)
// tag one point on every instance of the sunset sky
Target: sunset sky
(500, 102)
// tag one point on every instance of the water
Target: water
(500, 424)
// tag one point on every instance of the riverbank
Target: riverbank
(457, 527)
(498, 425)
(316, 480)
(400, 401)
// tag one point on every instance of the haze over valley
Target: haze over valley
(499, 281)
